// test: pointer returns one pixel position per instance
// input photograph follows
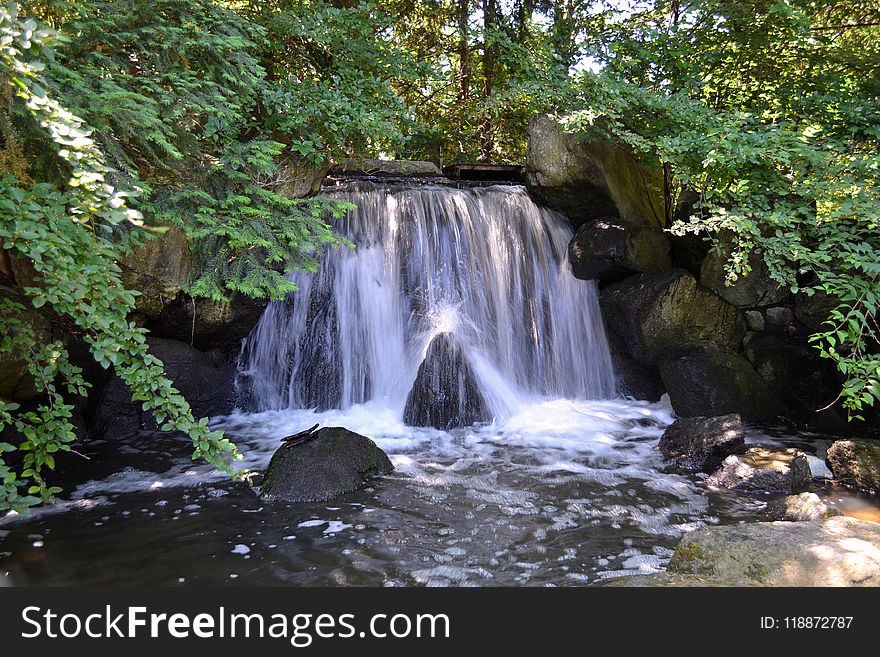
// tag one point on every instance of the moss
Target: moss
(692, 559)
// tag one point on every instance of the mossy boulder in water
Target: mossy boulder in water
(856, 464)
(445, 394)
(330, 462)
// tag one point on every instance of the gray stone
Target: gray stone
(159, 270)
(800, 508)
(753, 289)
(754, 320)
(297, 179)
(702, 443)
(333, 461)
(208, 386)
(611, 249)
(779, 316)
(813, 310)
(387, 167)
(703, 379)
(445, 394)
(650, 315)
(764, 470)
(856, 464)
(591, 178)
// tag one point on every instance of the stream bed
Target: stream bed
(561, 493)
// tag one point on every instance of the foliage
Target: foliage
(770, 112)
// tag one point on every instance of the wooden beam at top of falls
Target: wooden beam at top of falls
(499, 172)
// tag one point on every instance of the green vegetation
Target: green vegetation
(119, 119)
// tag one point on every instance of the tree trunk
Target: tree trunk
(464, 51)
(490, 26)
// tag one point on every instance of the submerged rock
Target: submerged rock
(651, 315)
(703, 379)
(702, 443)
(856, 464)
(333, 461)
(800, 508)
(445, 394)
(609, 250)
(764, 470)
(839, 551)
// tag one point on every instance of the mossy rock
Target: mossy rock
(856, 464)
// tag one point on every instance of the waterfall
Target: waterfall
(486, 265)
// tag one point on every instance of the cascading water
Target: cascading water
(486, 265)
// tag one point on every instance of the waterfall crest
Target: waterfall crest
(484, 264)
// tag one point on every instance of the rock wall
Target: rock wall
(674, 323)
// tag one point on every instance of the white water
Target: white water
(485, 264)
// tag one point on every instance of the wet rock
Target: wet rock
(754, 289)
(779, 316)
(333, 461)
(754, 320)
(609, 250)
(764, 470)
(856, 464)
(702, 443)
(703, 379)
(445, 394)
(800, 508)
(839, 551)
(635, 380)
(587, 179)
(650, 315)
(206, 383)
(794, 371)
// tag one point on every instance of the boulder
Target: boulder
(364, 166)
(650, 315)
(297, 179)
(813, 310)
(753, 289)
(609, 250)
(856, 464)
(764, 470)
(779, 316)
(445, 394)
(208, 386)
(793, 370)
(159, 269)
(635, 380)
(838, 551)
(591, 178)
(331, 462)
(800, 508)
(755, 320)
(703, 379)
(16, 382)
(702, 443)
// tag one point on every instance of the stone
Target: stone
(753, 289)
(856, 464)
(159, 269)
(754, 320)
(206, 384)
(813, 310)
(363, 166)
(16, 382)
(794, 371)
(702, 443)
(635, 380)
(779, 316)
(764, 470)
(703, 379)
(587, 179)
(332, 461)
(839, 551)
(609, 250)
(445, 394)
(297, 179)
(650, 315)
(800, 508)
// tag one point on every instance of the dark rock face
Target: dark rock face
(332, 462)
(856, 464)
(800, 508)
(650, 315)
(609, 250)
(703, 379)
(445, 394)
(218, 326)
(635, 380)
(793, 370)
(754, 289)
(208, 385)
(763, 470)
(702, 443)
